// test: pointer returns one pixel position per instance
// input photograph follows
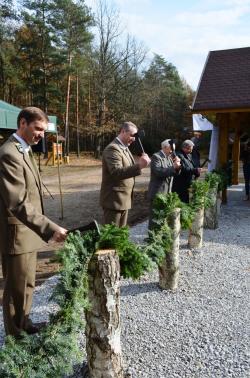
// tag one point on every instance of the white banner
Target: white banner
(51, 127)
(213, 151)
(200, 123)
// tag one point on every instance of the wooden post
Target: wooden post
(211, 214)
(223, 122)
(236, 153)
(57, 152)
(103, 326)
(169, 269)
(195, 238)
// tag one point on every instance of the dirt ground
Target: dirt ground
(79, 204)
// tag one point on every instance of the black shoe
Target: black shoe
(35, 328)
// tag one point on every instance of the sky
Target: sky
(184, 32)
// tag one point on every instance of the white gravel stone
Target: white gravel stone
(202, 329)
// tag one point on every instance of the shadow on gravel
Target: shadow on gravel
(139, 288)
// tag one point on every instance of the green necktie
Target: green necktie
(33, 162)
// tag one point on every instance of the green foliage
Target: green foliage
(161, 238)
(199, 197)
(55, 349)
(160, 242)
(52, 39)
(224, 178)
(165, 204)
(133, 260)
(214, 180)
(163, 100)
(187, 215)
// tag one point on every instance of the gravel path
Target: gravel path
(200, 331)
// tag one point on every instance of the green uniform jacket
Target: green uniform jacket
(22, 222)
(118, 177)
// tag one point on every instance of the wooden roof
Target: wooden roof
(225, 81)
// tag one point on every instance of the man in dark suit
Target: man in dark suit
(183, 181)
(163, 168)
(118, 175)
(196, 139)
(23, 224)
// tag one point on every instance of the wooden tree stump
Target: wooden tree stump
(103, 326)
(211, 215)
(195, 238)
(219, 201)
(169, 269)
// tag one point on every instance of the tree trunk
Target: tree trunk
(67, 109)
(195, 238)
(77, 116)
(103, 327)
(169, 269)
(210, 216)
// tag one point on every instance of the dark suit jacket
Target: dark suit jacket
(183, 181)
(162, 172)
(118, 172)
(22, 222)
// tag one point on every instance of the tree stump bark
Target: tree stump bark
(169, 269)
(211, 216)
(103, 328)
(219, 201)
(195, 238)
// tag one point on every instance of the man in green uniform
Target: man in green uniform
(118, 175)
(23, 224)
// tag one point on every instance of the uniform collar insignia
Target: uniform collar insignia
(19, 147)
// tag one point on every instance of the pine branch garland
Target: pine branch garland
(54, 351)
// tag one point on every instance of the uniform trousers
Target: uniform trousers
(19, 282)
(246, 171)
(118, 217)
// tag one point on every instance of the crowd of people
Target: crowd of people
(23, 224)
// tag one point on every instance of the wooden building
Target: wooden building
(224, 91)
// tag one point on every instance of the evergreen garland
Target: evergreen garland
(225, 178)
(54, 351)
(199, 195)
(134, 262)
(165, 204)
(214, 180)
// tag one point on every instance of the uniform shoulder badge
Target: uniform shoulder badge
(19, 147)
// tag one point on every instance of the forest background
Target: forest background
(92, 81)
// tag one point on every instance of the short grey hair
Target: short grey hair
(127, 125)
(187, 143)
(165, 143)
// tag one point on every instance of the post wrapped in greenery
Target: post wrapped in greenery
(167, 210)
(199, 201)
(169, 268)
(211, 212)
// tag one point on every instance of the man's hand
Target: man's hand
(144, 161)
(59, 235)
(200, 170)
(177, 163)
